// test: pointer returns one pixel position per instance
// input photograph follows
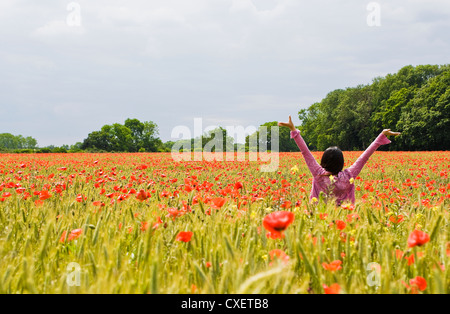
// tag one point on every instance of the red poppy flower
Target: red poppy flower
(340, 224)
(157, 223)
(174, 212)
(20, 190)
(184, 236)
(349, 207)
(323, 216)
(218, 202)
(43, 195)
(398, 254)
(333, 289)
(81, 198)
(277, 222)
(74, 234)
(110, 195)
(419, 282)
(280, 254)
(396, 219)
(418, 238)
(333, 266)
(196, 199)
(122, 198)
(286, 205)
(142, 195)
(410, 259)
(144, 225)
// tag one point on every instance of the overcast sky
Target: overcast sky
(230, 62)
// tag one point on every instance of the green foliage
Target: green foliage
(23, 151)
(76, 148)
(11, 142)
(44, 150)
(264, 137)
(168, 146)
(133, 136)
(425, 120)
(216, 140)
(59, 150)
(414, 101)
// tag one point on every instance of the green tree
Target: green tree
(217, 140)
(98, 140)
(137, 129)
(122, 138)
(168, 146)
(76, 148)
(425, 120)
(150, 140)
(134, 136)
(9, 141)
(30, 143)
(264, 137)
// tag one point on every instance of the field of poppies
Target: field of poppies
(143, 223)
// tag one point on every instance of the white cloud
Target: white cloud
(57, 29)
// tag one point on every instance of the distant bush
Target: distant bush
(23, 151)
(95, 150)
(44, 150)
(76, 150)
(59, 150)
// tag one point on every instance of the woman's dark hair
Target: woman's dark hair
(332, 160)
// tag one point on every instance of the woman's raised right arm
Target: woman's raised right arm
(311, 162)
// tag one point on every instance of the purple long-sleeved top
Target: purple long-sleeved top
(342, 189)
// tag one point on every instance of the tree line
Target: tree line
(132, 136)
(16, 142)
(414, 101)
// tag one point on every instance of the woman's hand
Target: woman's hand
(388, 132)
(289, 125)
